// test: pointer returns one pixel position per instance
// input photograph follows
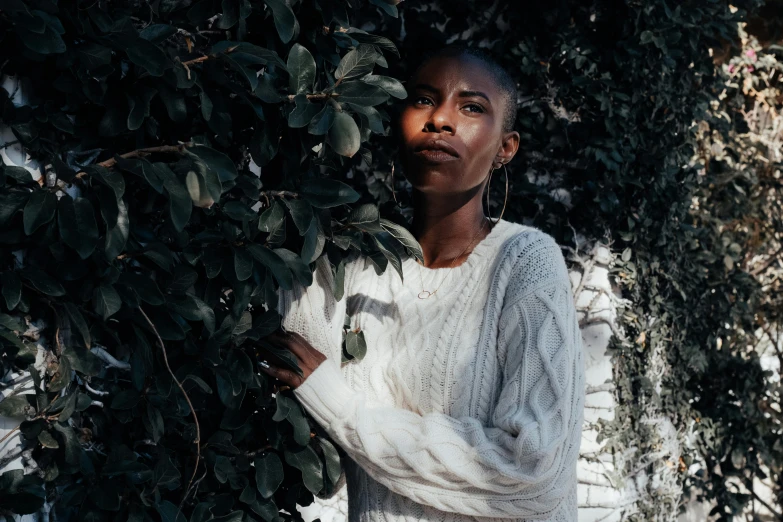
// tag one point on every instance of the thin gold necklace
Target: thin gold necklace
(426, 294)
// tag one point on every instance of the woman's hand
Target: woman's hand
(308, 357)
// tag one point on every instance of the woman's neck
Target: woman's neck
(445, 224)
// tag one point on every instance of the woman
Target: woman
(469, 401)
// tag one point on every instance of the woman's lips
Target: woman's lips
(435, 155)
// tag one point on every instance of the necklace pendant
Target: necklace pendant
(425, 294)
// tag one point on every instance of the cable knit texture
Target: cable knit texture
(468, 405)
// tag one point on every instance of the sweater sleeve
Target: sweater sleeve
(523, 463)
(313, 311)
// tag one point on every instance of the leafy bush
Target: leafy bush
(152, 246)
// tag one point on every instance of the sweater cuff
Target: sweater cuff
(324, 393)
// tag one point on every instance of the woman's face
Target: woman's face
(451, 127)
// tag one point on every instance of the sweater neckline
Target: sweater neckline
(484, 247)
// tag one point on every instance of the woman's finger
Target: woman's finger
(286, 376)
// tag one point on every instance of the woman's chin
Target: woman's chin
(431, 181)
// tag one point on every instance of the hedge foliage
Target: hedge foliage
(153, 120)
(153, 249)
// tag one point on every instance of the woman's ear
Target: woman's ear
(508, 147)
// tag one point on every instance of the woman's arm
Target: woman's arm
(524, 462)
(313, 311)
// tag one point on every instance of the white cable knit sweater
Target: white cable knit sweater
(468, 405)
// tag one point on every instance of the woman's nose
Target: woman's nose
(441, 120)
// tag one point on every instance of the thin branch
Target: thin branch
(9, 434)
(769, 262)
(60, 185)
(766, 505)
(142, 152)
(321, 96)
(600, 320)
(197, 442)
(279, 194)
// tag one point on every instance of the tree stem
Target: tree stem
(197, 442)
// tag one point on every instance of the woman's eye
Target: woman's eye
(423, 99)
(476, 108)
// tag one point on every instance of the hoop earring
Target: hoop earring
(504, 200)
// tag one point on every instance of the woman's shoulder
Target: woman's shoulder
(530, 255)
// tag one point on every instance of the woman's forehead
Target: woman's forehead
(456, 73)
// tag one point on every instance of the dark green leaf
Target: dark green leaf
(307, 461)
(106, 301)
(298, 267)
(322, 122)
(47, 441)
(366, 218)
(215, 161)
(10, 202)
(180, 204)
(262, 147)
(156, 33)
(169, 512)
(19, 174)
(357, 62)
(388, 8)
(18, 406)
(355, 345)
(42, 282)
(109, 177)
(326, 193)
(141, 167)
(78, 322)
(78, 228)
(314, 242)
(360, 93)
(285, 22)
(385, 243)
(174, 102)
(83, 360)
(149, 56)
(243, 264)
(272, 218)
(404, 237)
(230, 15)
(155, 420)
(39, 210)
(391, 85)
(380, 41)
(303, 112)
(274, 263)
(182, 279)
(146, 288)
(49, 42)
(332, 460)
(301, 70)
(11, 289)
(301, 212)
(344, 135)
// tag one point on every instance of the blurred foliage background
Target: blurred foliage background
(211, 151)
